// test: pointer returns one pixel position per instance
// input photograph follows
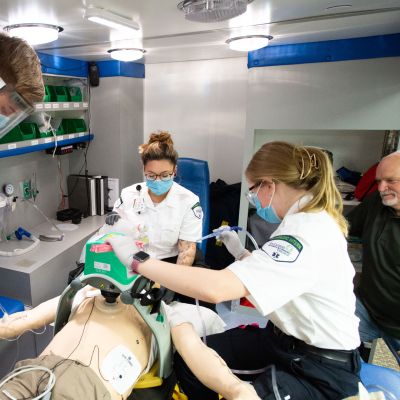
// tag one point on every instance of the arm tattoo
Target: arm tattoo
(186, 252)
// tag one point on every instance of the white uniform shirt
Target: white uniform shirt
(178, 216)
(302, 280)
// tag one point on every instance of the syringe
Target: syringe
(218, 231)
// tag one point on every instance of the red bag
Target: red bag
(366, 184)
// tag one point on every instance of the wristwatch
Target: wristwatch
(138, 258)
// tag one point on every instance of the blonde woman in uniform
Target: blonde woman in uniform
(301, 279)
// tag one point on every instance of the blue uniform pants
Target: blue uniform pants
(370, 331)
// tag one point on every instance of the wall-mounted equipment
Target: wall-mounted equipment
(34, 33)
(8, 189)
(212, 10)
(94, 75)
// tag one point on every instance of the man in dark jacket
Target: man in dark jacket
(377, 222)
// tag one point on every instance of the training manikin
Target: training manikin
(109, 342)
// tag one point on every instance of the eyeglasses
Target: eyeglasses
(251, 196)
(164, 176)
(13, 108)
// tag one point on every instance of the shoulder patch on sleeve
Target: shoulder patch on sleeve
(197, 210)
(283, 248)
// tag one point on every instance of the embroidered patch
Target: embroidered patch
(283, 248)
(197, 211)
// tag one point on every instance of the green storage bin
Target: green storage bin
(79, 125)
(14, 135)
(46, 134)
(49, 93)
(75, 93)
(71, 125)
(61, 130)
(61, 93)
(29, 130)
(68, 125)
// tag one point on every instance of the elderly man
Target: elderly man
(377, 221)
(21, 82)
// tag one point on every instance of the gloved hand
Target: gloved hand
(112, 217)
(232, 242)
(124, 248)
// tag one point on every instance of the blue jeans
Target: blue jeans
(369, 330)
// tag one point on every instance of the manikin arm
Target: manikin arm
(209, 368)
(16, 324)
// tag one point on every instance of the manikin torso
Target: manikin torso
(97, 328)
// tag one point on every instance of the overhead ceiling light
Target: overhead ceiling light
(127, 54)
(35, 33)
(212, 10)
(248, 42)
(110, 19)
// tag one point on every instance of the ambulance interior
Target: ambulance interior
(325, 75)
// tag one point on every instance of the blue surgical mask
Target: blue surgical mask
(3, 120)
(159, 187)
(267, 213)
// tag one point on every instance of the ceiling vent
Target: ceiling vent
(212, 10)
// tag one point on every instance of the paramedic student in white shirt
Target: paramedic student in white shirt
(161, 209)
(301, 280)
(162, 212)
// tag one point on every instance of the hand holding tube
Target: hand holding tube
(232, 242)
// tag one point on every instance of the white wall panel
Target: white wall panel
(117, 123)
(348, 96)
(362, 94)
(203, 105)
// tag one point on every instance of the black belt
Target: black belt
(297, 344)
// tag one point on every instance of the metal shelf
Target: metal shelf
(29, 146)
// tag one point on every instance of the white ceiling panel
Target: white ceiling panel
(167, 36)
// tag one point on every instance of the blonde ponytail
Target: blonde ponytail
(300, 167)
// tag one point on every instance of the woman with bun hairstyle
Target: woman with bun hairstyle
(166, 216)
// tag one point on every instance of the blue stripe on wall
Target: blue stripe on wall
(327, 51)
(119, 68)
(63, 66)
(44, 146)
(67, 66)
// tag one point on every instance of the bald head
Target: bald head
(388, 179)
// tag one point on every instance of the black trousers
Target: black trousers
(181, 297)
(300, 374)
